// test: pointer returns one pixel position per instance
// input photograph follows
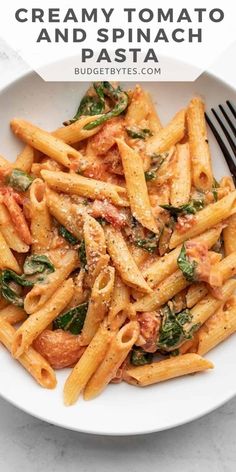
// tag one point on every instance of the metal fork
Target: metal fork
(226, 118)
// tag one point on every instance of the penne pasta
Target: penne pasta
(45, 142)
(9, 232)
(13, 314)
(218, 327)
(87, 364)
(166, 290)
(120, 301)
(117, 352)
(86, 187)
(181, 181)
(123, 261)
(41, 228)
(37, 322)
(167, 369)
(25, 159)
(195, 293)
(5, 167)
(198, 143)
(75, 132)
(7, 260)
(42, 291)
(223, 270)
(95, 246)
(31, 360)
(137, 187)
(167, 264)
(61, 208)
(169, 135)
(209, 304)
(210, 216)
(229, 231)
(139, 108)
(98, 304)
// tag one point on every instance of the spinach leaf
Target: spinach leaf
(94, 105)
(150, 175)
(69, 237)
(82, 254)
(37, 264)
(90, 105)
(190, 208)
(121, 102)
(187, 267)
(149, 244)
(6, 277)
(215, 186)
(140, 357)
(20, 180)
(72, 320)
(138, 133)
(173, 331)
(156, 162)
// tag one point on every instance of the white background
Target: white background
(31, 445)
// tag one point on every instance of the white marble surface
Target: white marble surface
(32, 445)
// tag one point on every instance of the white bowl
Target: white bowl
(121, 409)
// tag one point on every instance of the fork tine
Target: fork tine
(231, 143)
(228, 158)
(231, 107)
(228, 119)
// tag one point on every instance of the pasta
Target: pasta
(205, 219)
(31, 360)
(45, 142)
(36, 323)
(98, 304)
(136, 187)
(181, 182)
(168, 136)
(87, 364)
(9, 232)
(79, 185)
(217, 328)
(123, 260)
(117, 352)
(199, 148)
(40, 218)
(117, 245)
(167, 369)
(41, 292)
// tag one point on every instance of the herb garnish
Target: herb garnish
(90, 105)
(38, 264)
(6, 277)
(139, 133)
(187, 267)
(82, 254)
(149, 244)
(20, 180)
(67, 235)
(190, 208)
(140, 357)
(215, 186)
(156, 162)
(96, 105)
(72, 320)
(173, 331)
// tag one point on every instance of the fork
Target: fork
(226, 119)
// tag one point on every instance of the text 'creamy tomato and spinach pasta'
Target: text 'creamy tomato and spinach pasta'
(117, 245)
